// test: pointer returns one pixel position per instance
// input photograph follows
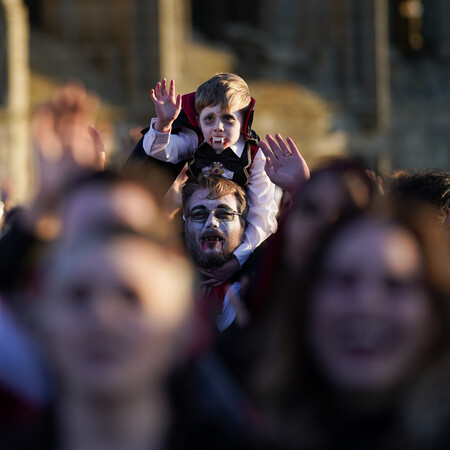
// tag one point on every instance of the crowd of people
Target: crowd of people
(213, 291)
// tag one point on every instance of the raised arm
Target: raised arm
(167, 105)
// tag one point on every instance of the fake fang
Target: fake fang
(212, 243)
(218, 140)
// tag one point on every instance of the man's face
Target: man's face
(211, 243)
(221, 128)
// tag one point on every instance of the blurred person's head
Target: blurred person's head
(372, 307)
(335, 188)
(95, 200)
(365, 326)
(88, 204)
(431, 186)
(215, 212)
(113, 313)
(111, 198)
(371, 317)
(115, 285)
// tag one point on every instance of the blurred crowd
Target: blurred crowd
(334, 335)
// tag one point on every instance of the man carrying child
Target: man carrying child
(211, 130)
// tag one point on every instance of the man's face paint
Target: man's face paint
(212, 242)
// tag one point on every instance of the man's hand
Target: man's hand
(221, 274)
(167, 105)
(285, 166)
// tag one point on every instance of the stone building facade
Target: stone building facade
(14, 96)
(369, 77)
(381, 65)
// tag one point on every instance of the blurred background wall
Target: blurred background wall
(368, 78)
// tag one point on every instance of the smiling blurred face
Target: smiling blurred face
(112, 316)
(212, 242)
(371, 319)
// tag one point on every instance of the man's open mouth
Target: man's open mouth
(212, 242)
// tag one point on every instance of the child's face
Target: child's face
(221, 127)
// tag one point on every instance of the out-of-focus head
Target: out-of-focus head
(371, 317)
(88, 204)
(430, 186)
(115, 289)
(114, 312)
(215, 210)
(109, 199)
(377, 302)
(335, 188)
(96, 200)
(365, 333)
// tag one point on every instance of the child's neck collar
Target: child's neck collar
(237, 147)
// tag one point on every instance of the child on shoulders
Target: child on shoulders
(211, 130)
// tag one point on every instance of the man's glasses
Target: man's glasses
(200, 215)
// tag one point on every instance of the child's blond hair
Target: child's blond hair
(224, 89)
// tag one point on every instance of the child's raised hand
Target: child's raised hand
(285, 166)
(167, 105)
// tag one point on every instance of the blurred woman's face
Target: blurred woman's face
(113, 316)
(371, 318)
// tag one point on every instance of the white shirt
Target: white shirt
(228, 314)
(261, 219)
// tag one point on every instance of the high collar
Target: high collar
(239, 146)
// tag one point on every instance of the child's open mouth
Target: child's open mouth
(218, 140)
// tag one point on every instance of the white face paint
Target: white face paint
(212, 243)
(221, 128)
